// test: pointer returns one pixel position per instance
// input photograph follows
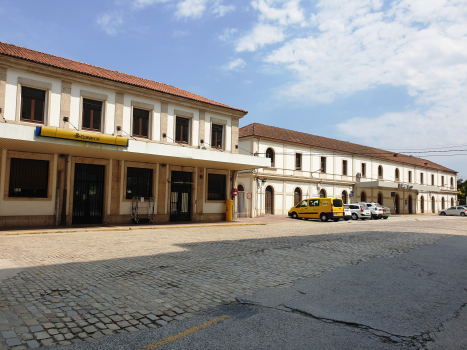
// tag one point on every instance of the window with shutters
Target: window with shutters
(298, 161)
(216, 136)
(140, 123)
(182, 129)
(138, 183)
(363, 169)
(28, 178)
(344, 167)
(323, 164)
(216, 186)
(32, 105)
(92, 114)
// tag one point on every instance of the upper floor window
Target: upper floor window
(380, 172)
(92, 114)
(138, 183)
(28, 178)
(298, 161)
(323, 164)
(344, 167)
(32, 105)
(216, 136)
(432, 180)
(140, 122)
(421, 178)
(442, 180)
(396, 175)
(181, 129)
(452, 182)
(270, 155)
(363, 169)
(410, 176)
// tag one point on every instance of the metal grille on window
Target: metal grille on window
(139, 183)
(216, 137)
(216, 186)
(32, 105)
(28, 178)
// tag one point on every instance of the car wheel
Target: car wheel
(323, 217)
(462, 214)
(294, 215)
(443, 213)
(385, 217)
(354, 216)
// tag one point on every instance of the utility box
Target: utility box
(228, 210)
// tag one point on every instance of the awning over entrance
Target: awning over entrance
(22, 138)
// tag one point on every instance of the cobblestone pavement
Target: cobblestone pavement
(79, 286)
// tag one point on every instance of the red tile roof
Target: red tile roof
(83, 68)
(279, 134)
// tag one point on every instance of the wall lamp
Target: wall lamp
(201, 141)
(119, 128)
(164, 135)
(65, 119)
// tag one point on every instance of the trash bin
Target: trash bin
(228, 210)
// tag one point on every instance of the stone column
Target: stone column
(202, 128)
(164, 120)
(119, 113)
(234, 135)
(65, 102)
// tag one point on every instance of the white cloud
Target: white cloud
(289, 13)
(221, 10)
(235, 64)
(191, 8)
(141, 4)
(260, 36)
(110, 22)
(227, 33)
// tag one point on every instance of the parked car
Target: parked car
(386, 212)
(318, 208)
(347, 213)
(358, 211)
(459, 210)
(375, 208)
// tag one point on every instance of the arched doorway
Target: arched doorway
(433, 204)
(270, 155)
(269, 200)
(322, 193)
(396, 204)
(442, 203)
(410, 205)
(297, 195)
(452, 202)
(380, 198)
(363, 197)
(344, 197)
(422, 204)
(241, 202)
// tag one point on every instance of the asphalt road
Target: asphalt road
(415, 300)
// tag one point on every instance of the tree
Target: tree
(462, 190)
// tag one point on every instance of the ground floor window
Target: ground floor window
(28, 178)
(322, 193)
(216, 186)
(138, 183)
(363, 197)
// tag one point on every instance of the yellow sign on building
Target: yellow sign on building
(49, 131)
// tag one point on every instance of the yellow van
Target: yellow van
(318, 208)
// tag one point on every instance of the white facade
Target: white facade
(284, 178)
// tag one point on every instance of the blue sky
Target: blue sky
(388, 74)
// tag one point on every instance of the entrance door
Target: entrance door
(241, 202)
(88, 194)
(410, 204)
(433, 204)
(422, 204)
(269, 201)
(396, 204)
(180, 196)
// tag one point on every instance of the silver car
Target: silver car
(375, 208)
(386, 212)
(358, 211)
(462, 211)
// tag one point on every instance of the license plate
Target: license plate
(338, 214)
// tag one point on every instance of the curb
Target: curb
(124, 228)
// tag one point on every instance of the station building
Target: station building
(78, 144)
(305, 165)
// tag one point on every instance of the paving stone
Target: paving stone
(100, 325)
(41, 335)
(97, 335)
(48, 325)
(27, 336)
(107, 331)
(112, 326)
(53, 331)
(9, 334)
(131, 329)
(33, 344)
(31, 322)
(90, 329)
(59, 337)
(13, 342)
(161, 322)
(152, 317)
(68, 336)
(47, 342)
(123, 324)
(35, 329)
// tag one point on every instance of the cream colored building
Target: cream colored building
(80, 143)
(304, 165)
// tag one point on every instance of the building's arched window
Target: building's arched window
(297, 195)
(322, 193)
(396, 175)
(380, 172)
(452, 182)
(240, 188)
(344, 197)
(442, 203)
(452, 202)
(363, 197)
(433, 205)
(270, 155)
(380, 198)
